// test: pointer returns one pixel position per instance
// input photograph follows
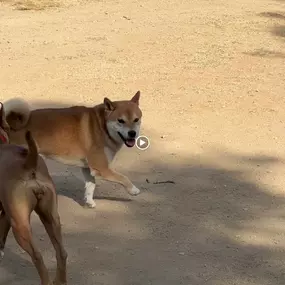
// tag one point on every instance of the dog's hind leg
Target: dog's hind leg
(50, 218)
(90, 186)
(23, 235)
(4, 230)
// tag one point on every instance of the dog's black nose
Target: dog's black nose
(132, 134)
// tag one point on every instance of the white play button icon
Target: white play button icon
(142, 143)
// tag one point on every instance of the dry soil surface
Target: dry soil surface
(211, 75)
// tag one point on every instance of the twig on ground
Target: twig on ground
(164, 182)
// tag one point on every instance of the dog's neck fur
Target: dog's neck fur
(113, 141)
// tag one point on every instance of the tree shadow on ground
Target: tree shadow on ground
(216, 225)
(75, 178)
(274, 15)
(277, 30)
(266, 53)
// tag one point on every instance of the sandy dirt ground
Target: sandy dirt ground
(212, 79)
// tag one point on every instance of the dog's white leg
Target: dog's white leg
(134, 191)
(1, 254)
(88, 195)
(90, 186)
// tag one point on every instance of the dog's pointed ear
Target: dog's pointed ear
(136, 98)
(109, 106)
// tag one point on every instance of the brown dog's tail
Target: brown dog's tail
(32, 158)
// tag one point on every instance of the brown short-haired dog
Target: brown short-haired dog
(25, 185)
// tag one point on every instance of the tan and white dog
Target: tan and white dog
(80, 136)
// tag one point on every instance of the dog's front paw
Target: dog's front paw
(90, 204)
(134, 191)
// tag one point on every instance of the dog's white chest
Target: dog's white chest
(110, 154)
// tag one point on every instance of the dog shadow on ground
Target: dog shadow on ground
(217, 223)
(69, 182)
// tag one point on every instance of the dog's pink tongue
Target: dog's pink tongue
(130, 142)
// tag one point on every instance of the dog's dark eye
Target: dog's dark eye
(136, 120)
(121, 121)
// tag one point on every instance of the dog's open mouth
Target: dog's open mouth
(128, 142)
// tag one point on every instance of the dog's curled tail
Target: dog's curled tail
(17, 113)
(32, 157)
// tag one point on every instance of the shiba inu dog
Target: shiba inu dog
(80, 136)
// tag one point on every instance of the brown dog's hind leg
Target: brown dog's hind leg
(49, 216)
(4, 230)
(23, 235)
